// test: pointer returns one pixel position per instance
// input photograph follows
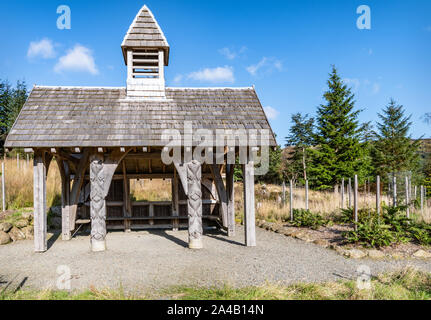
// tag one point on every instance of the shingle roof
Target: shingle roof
(145, 32)
(104, 117)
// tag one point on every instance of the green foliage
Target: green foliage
(300, 138)
(306, 218)
(11, 102)
(338, 151)
(274, 174)
(371, 233)
(394, 150)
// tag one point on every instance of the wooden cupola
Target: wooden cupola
(146, 53)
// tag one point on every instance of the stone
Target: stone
(16, 234)
(397, 256)
(303, 236)
(28, 216)
(422, 254)
(21, 223)
(28, 232)
(288, 232)
(4, 238)
(5, 226)
(321, 242)
(355, 254)
(376, 254)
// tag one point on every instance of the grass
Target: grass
(407, 284)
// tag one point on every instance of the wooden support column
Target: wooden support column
(221, 191)
(230, 168)
(127, 207)
(63, 167)
(40, 168)
(175, 203)
(97, 204)
(249, 213)
(194, 204)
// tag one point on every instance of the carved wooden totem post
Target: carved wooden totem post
(97, 204)
(194, 204)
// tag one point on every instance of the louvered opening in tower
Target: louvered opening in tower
(146, 64)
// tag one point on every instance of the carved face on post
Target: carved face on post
(194, 176)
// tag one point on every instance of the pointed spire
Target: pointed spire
(145, 32)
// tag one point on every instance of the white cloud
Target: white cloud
(178, 78)
(231, 54)
(353, 82)
(271, 113)
(43, 48)
(79, 58)
(214, 75)
(266, 65)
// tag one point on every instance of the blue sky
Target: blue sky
(284, 48)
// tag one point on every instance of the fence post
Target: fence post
(350, 192)
(17, 160)
(3, 186)
(306, 194)
(416, 192)
(342, 193)
(407, 198)
(284, 193)
(291, 200)
(422, 200)
(355, 202)
(378, 195)
(394, 196)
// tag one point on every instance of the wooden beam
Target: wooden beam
(28, 150)
(63, 167)
(40, 218)
(175, 201)
(249, 210)
(230, 168)
(194, 204)
(182, 174)
(221, 191)
(127, 212)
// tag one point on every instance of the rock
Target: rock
(28, 216)
(28, 232)
(321, 242)
(303, 236)
(397, 256)
(5, 226)
(355, 254)
(288, 232)
(4, 238)
(422, 254)
(376, 254)
(55, 223)
(21, 223)
(56, 211)
(16, 234)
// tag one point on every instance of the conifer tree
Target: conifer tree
(338, 151)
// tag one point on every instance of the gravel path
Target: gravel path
(158, 259)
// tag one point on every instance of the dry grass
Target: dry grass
(19, 194)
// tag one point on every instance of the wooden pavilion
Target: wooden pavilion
(101, 138)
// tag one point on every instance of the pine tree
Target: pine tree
(338, 151)
(394, 149)
(300, 139)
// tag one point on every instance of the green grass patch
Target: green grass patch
(408, 284)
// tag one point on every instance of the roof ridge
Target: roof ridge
(77, 87)
(210, 88)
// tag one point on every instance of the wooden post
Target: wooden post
(283, 193)
(342, 193)
(63, 167)
(97, 204)
(407, 198)
(126, 199)
(350, 192)
(416, 192)
(175, 203)
(355, 202)
(221, 191)
(378, 195)
(291, 199)
(17, 160)
(306, 194)
(422, 200)
(249, 213)
(230, 170)
(40, 219)
(394, 188)
(3, 186)
(194, 204)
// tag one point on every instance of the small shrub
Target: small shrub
(306, 218)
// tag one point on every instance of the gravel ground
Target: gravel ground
(158, 259)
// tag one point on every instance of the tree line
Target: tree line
(12, 99)
(333, 144)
